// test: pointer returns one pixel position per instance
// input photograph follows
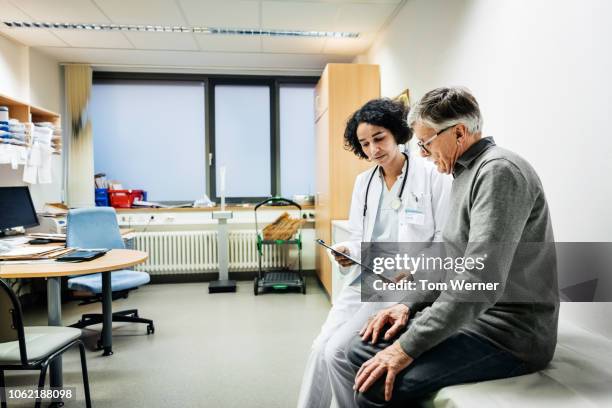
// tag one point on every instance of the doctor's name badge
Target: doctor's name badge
(413, 216)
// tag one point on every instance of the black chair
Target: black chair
(32, 348)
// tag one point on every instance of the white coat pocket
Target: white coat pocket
(416, 218)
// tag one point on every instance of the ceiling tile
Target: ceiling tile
(10, 12)
(93, 39)
(209, 62)
(221, 13)
(228, 43)
(150, 12)
(363, 17)
(348, 46)
(346, 1)
(163, 41)
(33, 37)
(298, 15)
(62, 11)
(293, 45)
(373, 1)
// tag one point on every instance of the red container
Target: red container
(124, 198)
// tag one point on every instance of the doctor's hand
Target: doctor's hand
(339, 258)
(397, 316)
(391, 360)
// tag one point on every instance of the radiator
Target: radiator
(180, 252)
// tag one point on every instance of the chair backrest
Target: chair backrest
(11, 320)
(93, 228)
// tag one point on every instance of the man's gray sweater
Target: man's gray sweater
(497, 205)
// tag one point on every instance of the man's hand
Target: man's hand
(391, 360)
(339, 258)
(396, 315)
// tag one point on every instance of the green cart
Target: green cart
(283, 279)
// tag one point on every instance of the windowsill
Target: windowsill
(244, 207)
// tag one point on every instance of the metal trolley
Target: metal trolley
(282, 279)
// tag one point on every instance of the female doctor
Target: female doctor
(379, 212)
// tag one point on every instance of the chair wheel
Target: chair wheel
(150, 329)
(304, 289)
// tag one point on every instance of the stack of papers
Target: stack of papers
(55, 210)
(27, 252)
(52, 237)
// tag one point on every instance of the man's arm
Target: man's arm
(501, 204)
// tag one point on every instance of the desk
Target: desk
(53, 271)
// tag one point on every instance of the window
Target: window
(242, 140)
(171, 134)
(150, 135)
(297, 139)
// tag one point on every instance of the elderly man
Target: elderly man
(497, 201)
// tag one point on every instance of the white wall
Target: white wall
(45, 81)
(542, 72)
(31, 77)
(14, 78)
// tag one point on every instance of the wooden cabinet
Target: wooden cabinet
(342, 89)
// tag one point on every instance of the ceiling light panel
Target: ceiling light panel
(176, 29)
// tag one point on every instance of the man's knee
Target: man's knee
(370, 399)
(358, 352)
(407, 392)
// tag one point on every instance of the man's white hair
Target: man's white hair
(444, 107)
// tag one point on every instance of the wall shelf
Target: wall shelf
(25, 113)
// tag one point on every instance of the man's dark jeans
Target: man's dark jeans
(462, 358)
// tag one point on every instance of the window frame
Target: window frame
(274, 83)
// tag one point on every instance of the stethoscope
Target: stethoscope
(397, 201)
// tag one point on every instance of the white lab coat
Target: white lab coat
(327, 367)
(432, 189)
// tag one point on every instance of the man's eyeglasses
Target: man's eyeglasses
(423, 145)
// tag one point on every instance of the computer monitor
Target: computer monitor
(16, 208)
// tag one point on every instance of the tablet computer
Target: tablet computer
(82, 255)
(380, 276)
(322, 243)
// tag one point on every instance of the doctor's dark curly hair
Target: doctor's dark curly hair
(382, 112)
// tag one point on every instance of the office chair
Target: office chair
(97, 228)
(32, 348)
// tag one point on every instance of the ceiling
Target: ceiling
(120, 50)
